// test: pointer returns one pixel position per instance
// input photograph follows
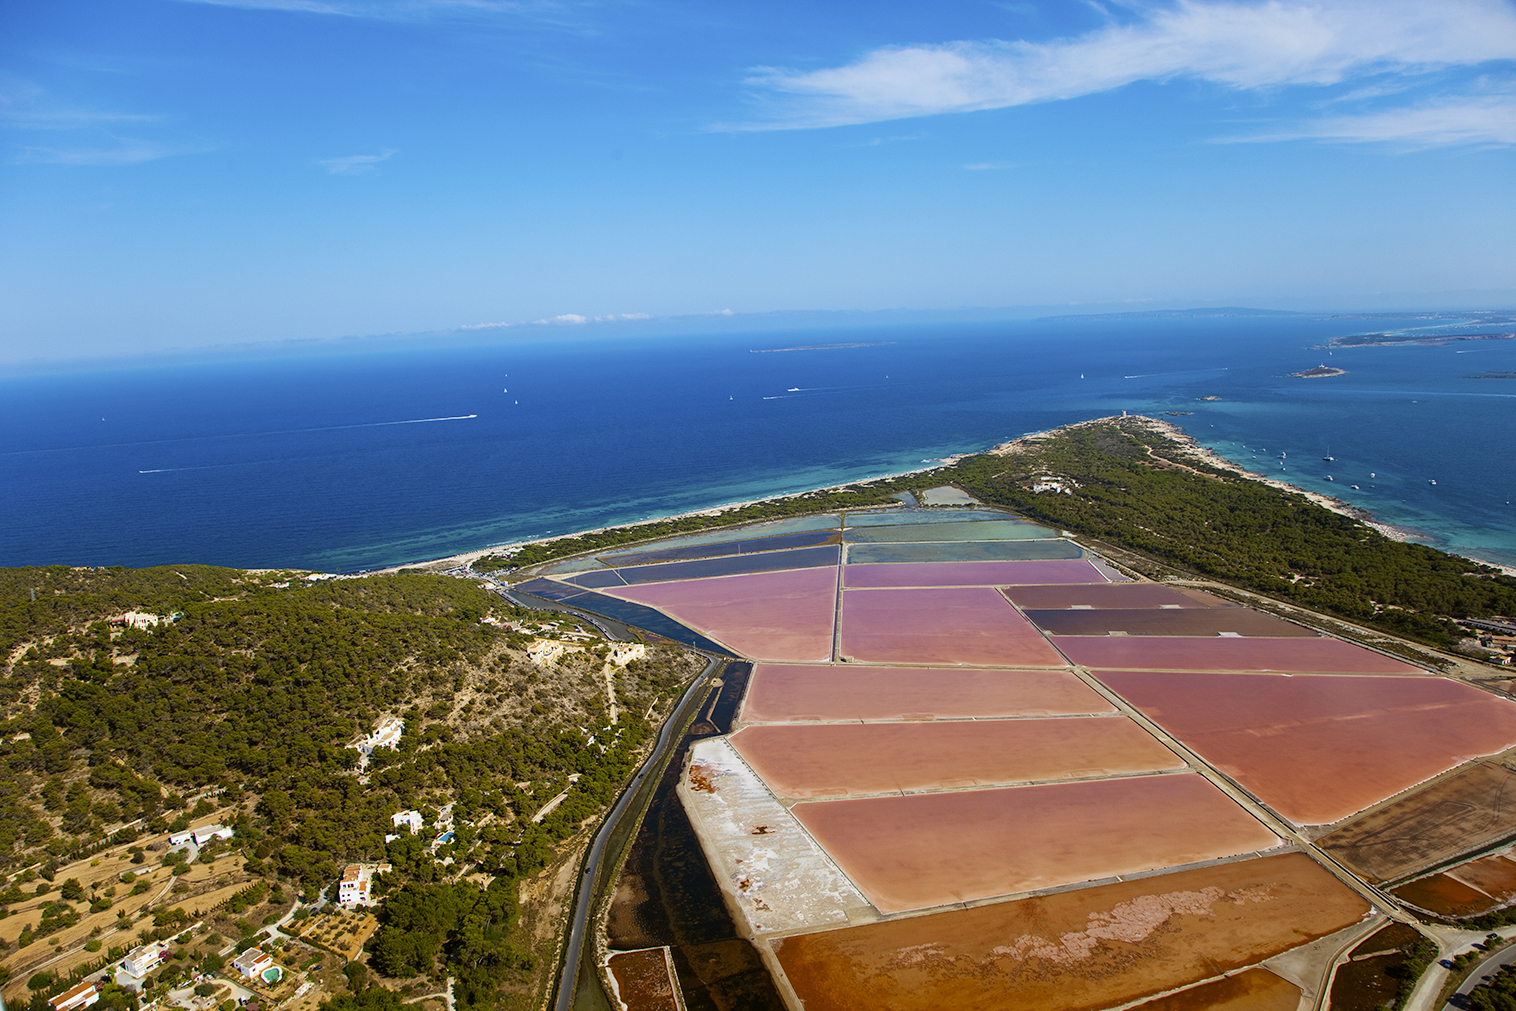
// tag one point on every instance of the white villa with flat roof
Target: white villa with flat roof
(144, 959)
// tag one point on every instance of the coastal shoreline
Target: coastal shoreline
(1188, 443)
(470, 556)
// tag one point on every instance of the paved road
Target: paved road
(573, 951)
(1485, 969)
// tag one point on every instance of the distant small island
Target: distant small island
(1320, 372)
(1390, 340)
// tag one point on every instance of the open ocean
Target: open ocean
(362, 460)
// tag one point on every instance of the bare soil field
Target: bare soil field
(837, 759)
(1465, 812)
(924, 850)
(784, 693)
(1318, 749)
(1080, 950)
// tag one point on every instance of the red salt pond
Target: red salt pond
(973, 625)
(764, 615)
(1331, 656)
(835, 759)
(1070, 570)
(926, 850)
(1112, 595)
(782, 693)
(1316, 749)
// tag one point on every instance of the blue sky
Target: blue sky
(176, 173)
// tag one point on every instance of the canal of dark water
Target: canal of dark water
(667, 895)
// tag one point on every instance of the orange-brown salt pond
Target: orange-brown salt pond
(782, 693)
(784, 615)
(1080, 950)
(645, 980)
(1318, 748)
(835, 759)
(1250, 990)
(925, 850)
(1332, 656)
(973, 625)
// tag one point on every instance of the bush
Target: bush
(205, 989)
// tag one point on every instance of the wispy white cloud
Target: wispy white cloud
(1488, 119)
(124, 151)
(354, 164)
(988, 166)
(25, 106)
(1242, 45)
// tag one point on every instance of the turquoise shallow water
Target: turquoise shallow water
(359, 461)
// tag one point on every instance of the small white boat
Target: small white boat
(1433, 481)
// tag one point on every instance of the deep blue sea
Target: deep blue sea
(361, 460)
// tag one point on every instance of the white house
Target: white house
(385, 735)
(623, 653)
(81, 996)
(410, 819)
(205, 833)
(355, 888)
(253, 962)
(143, 960)
(180, 838)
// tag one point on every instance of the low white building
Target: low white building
(546, 651)
(181, 838)
(81, 996)
(143, 960)
(409, 819)
(623, 653)
(205, 833)
(254, 963)
(385, 735)
(356, 886)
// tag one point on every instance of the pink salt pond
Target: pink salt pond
(836, 759)
(930, 849)
(784, 693)
(1331, 656)
(1317, 749)
(968, 625)
(786, 616)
